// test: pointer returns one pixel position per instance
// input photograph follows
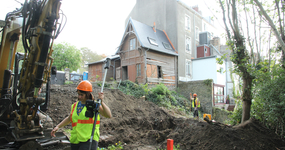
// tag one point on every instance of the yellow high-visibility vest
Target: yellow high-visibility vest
(195, 99)
(82, 126)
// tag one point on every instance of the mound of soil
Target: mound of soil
(139, 124)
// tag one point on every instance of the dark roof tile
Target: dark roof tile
(144, 32)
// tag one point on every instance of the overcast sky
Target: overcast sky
(96, 24)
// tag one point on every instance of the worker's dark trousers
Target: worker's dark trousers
(196, 113)
(84, 145)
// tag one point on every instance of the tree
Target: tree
(245, 49)
(253, 45)
(89, 56)
(269, 91)
(278, 31)
(66, 56)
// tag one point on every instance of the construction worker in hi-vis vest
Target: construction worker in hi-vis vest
(195, 105)
(82, 125)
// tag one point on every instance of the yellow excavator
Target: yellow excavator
(23, 75)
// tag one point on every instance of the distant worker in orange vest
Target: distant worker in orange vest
(195, 104)
(81, 125)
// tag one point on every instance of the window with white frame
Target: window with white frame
(197, 33)
(132, 44)
(188, 44)
(138, 70)
(218, 94)
(187, 23)
(205, 27)
(187, 68)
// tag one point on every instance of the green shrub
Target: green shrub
(131, 88)
(269, 103)
(160, 94)
(68, 82)
(236, 116)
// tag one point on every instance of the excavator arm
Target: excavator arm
(36, 25)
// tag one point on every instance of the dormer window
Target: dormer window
(152, 41)
(166, 45)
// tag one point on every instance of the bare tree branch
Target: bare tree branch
(248, 37)
(235, 18)
(255, 37)
(224, 19)
(259, 49)
(279, 18)
(228, 7)
(275, 31)
(282, 8)
(269, 53)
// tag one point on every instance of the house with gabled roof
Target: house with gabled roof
(96, 71)
(196, 39)
(147, 55)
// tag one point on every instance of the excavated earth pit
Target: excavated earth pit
(140, 124)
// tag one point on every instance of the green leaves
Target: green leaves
(158, 94)
(220, 60)
(66, 56)
(89, 56)
(269, 102)
(131, 88)
(237, 113)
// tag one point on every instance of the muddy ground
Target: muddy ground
(142, 125)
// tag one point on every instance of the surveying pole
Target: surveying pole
(106, 67)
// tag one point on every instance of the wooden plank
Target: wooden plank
(167, 72)
(162, 82)
(169, 75)
(118, 72)
(168, 67)
(160, 56)
(159, 79)
(132, 61)
(159, 63)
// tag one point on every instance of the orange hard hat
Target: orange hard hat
(195, 94)
(85, 86)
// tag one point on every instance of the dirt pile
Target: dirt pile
(140, 124)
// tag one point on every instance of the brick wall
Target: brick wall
(216, 42)
(204, 90)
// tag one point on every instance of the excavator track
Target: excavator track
(37, 144)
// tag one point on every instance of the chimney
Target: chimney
(216, 42)
(196, 8)
(154, 27)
